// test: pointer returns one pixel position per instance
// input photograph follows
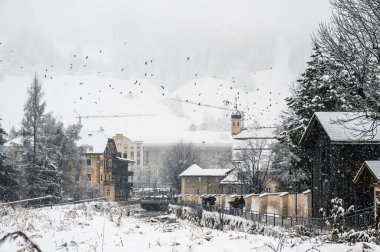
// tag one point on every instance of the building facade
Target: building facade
(105, 169)
(196, 180)
(134, 150)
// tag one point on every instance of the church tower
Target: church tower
(237, 120)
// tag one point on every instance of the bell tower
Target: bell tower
(237, 121)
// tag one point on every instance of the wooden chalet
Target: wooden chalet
(368, 181)
(338, 143)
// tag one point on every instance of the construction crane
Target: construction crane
(203, 104)
(108, 116)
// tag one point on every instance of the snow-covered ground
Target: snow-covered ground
(107, 227)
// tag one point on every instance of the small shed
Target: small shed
(368, 177)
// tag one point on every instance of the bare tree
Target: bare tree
(253, 162)
(176, 159)
(352, 38)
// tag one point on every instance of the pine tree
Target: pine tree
(316, 91)
(8, 175)
(41, 172)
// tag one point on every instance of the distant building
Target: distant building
(134, 150)
(213, 155)
(337, 147)
(249, 143)
(104, 167)
(196, 180)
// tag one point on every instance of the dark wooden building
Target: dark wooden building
(337, 147)
(368, 180)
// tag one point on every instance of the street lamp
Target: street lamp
(296, 189)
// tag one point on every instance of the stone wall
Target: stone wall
(268, 203)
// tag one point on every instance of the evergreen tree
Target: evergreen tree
(41, 172)
(316, 91)
(8, 175)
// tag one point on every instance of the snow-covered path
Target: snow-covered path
(83, 227)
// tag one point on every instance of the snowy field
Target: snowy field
(107, 227)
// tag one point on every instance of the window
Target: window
(233, 190)
(102, 163)
(108, 192)
(200, 179)
(138, 162)
(119, 154)
(132, 154)
(89, 162)
(145, 158)
(238, 124)
(77, 177)
(124, 155)
(197, 191)
(101, 177)
(88, 177)
(233, 123)
(216, 191)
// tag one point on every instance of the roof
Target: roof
(195, 170)
(374, 168)
(97, 140)
(17, 141)
(125, 160)
(344, 127)
(231, 178)
(256, 133)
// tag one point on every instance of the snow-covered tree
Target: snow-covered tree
(316, 90)
(352, 38)
(253, 165)
(176, 159)
(41, 172)
(8, 175)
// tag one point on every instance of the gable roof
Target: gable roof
(343, 127)
(374, 168)
(17, 141)
(231, 178)
(256, 133)
(195, 170)
(97, 140)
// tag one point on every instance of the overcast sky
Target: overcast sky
(251, 51)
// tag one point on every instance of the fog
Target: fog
(247, 44)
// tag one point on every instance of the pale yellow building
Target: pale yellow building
(133, 150)
(196, 180)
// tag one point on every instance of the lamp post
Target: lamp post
(296, 190)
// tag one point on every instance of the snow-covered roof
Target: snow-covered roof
(374, 168)
(125, 160)
(256, 133)
(344, 127)
(14, 142)
(231, 178)
(97, 140)
(195, 170)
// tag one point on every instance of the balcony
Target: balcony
(109, 182)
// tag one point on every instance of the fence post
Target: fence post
(266, 218)
(274, 219)
(282, 220)
(291, 221)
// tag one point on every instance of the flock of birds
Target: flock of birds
(230, 92)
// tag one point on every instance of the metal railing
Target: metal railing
(46, 201)
(360, 219)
